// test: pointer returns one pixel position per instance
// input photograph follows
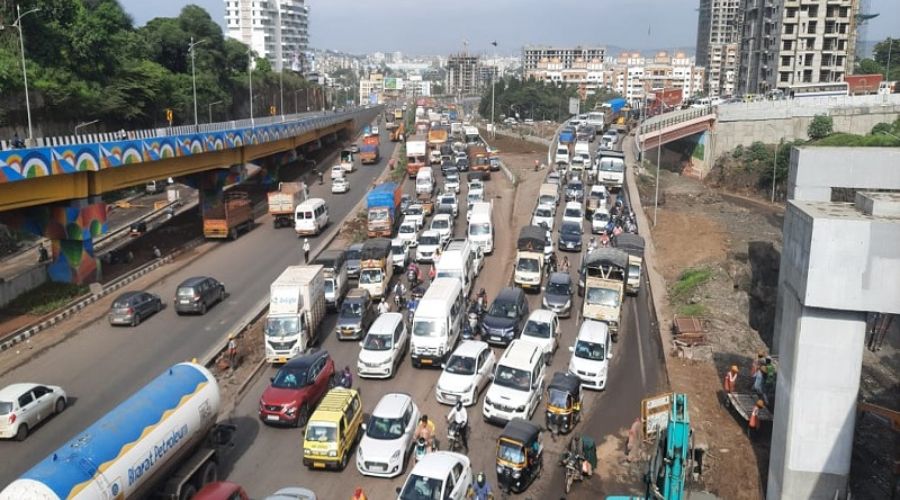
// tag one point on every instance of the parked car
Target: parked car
(198, 294)
(382, 349)
(442, 474)
(24, 406)
(503, 320)
(389, 435)
(353, 253)
(296, 388)
(130, 308)
(356, 314)
(558, 294)
(466, 373)
(340, 185)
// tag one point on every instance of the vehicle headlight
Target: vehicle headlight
(517, 474)
(499, 469)
(394, 457)
(520, 408)
(568, 304)
(332, 453)
(307, 451)
(488, 401)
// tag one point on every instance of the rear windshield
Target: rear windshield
(185, 292)
(5, 407)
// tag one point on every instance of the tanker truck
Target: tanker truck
(164, 441)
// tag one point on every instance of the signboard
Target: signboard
(373, 98)
(392, 83)
(655, 414)
(574, 105)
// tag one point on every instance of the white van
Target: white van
(458, 261)
(518, 383)
(437, 322)
(425, 181)
(481, 226)
(310, 217)
(591, 354)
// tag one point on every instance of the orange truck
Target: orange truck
(368, 152)
(227, 219)
(398, 133)
(479, 159)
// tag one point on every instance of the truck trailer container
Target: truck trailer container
(383, 209)
(369, 153)
(416, 155)
(283, 202)
(296, 308)
(227, 219)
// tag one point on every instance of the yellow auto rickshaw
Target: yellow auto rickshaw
(564, 398)
(520, 455)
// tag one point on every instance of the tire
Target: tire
(302, 416)
(22, 432)
(569, 478)
(60, 406)
(209, 474)
(345, 459)
(221, 295)
(203, 308)
(136, 319)
(187, 492)
(159, 306)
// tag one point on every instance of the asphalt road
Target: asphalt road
(269, 458)
(101, 365)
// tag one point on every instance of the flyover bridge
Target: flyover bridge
(668, 127)
(54, 189)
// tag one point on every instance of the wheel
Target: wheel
(547, 358)
(302, 415)
(136, 319)
(22, 432)
(221, 295)
(210, 473)
(187, 492)
(232, 234)
(158, 306)
(569, 479)
(203, 308)
(344, 460)
(60, 406)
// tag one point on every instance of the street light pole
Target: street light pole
(774, 167)
(656, 197)
(18, 25)
(281, 92)
(250, 75)
(194, 75)
(210, 109)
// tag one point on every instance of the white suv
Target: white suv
(544, 214)
(388, 436)
(518, 383)
(24, 406)
(429, 242)
(441, 474)
(591, 354)
(573, 212)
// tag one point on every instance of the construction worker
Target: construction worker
(754, 416)
(358, 495)
(730, 380)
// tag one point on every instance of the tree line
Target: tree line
(535, 99)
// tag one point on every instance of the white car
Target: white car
(381, 351)
(415, 213)
(429, 242)
(337, 172)
(444, 475)
(292, 493)
(450, 200)
(573, 212)
(451, 183)
(471, 199)
(388, 436)
(374, 130)
(400, 253)
(340, 185)
(599, 220)
(542, 328)
(24, 406)
(460, 155)
(443, 225)
(544, 215)
(466, 373)
(591, 354)
(476, 185)
(562, 155)
(408, 231)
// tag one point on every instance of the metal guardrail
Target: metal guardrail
(666, 120)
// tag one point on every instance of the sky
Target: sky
(439, 27)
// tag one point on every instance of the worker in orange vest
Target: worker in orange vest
(730, 379)
(358, 495)
(754, 415)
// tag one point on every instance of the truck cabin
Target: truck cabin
(346, 156)
(606, 263)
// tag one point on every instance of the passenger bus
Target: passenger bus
(829, 89)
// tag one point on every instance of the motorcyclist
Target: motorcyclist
(383, 307)
(481, 300)
(399, 295)
(480, 489)
(346, 378)
(459, 417)
(592, 245)
(552, 262)
(564, 267)
(417, 272)
(425, 430)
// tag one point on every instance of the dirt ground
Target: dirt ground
(738, 240)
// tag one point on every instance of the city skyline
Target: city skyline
(649, 24)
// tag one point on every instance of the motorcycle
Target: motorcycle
(572, 463)
(421, 448)
(399, 301)
(454, 440)
(470, 328)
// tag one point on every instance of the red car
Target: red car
(297, 388)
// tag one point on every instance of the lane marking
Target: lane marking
(637, 324)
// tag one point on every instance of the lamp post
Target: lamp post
(493, 81)
(281, 92)
(17, 24)
(210, 109)
(656, 196)
(775, 166)
(194, 75)
(85, 124)
(250, 76)
(296, 107)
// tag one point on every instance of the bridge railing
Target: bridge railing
(805, 106)
(666, 120)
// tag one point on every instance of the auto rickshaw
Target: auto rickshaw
(520, 455)
(564, 400)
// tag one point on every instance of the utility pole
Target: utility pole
(18, 25)
(281, 91)
(250, 75)
(774, 167)
(194, 76)
(210, 109)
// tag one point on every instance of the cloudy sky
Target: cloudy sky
(439, 27)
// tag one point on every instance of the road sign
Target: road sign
(655, 414)
(169, 116)
(273, 110)
(574, 105)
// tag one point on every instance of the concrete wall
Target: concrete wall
(12, 287)
(841, 167)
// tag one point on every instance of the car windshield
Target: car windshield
(510, 452)
(601, 217)
(557, 288)
(421, 488)
(398, 249)
(351, 309)
(370, 276)
(378, 342)
(5, 407)
(426, 328)
(414, 211)
(602, 297)
(289, 378)
(575, 186)
(378, 215)
(537, 329)
(408, 228)
(480, 229)
(460, 365)
(429, 239)
(571, 229)
(329, 286)
(384, 428)
(353, 254)
(473, 197)
(589, 350)
(528, 265)
(562, 151)
(440, 224)
(634, 271)
(612, 166)
(502, 309)
(448, 200)
(543, 212)
(321, 433)
(546, 199)
(513, 378)
(573, 212)
(282, 327)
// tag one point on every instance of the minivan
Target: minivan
(437, 322)
(333, 430)
(518, 383)
(591, 354)
(197, 294)
(334, 265)
(481, 226)
(458, 261)
(310, 217)
(425, 181)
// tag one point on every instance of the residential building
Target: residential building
(758, 53)
(275, 29)
(718, 36)
(417, 87)
(632, 74)
(581, 66)
(372, 85)
(462, 75)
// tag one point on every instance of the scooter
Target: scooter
(421, 448)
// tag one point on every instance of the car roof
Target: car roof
(304, 361)
(470, 348)
(542, 315)
(392, 405)
(560, 277)
(593, 331)
(437, 463)
(509, 293)
(194, 280)
(573, 204)
(430, 232)
(127, 295)
(389, 320)
(15, 390)
(292, 492)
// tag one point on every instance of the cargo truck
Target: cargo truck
(162, 442)
(227, 219)
(602, 281)
(375, 268)
(611, 169)
(415, 155)
(368, 152)
(383, 206)
(399, 133)
(529, 270)
(479, 159)
(283, 202)
(296, 308)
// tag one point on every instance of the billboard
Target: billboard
(373, 98)
(574, 105)
(392, 83)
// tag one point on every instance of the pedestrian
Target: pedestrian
(232, 352)
(760, 360)
(306, 250)
(730, 379)
(753, 424)
(758, 382)
(156, 252)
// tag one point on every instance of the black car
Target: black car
(503, 321)
(197, 294)
(446, 165)
(462, 164)
(356, 314)
(558, 294)
(131, 308)
(570, 236)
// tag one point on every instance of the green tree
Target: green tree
(821, 126)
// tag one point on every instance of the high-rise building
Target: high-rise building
(758, 57)
(718, 35)
(581, 66)
(275, 29)
(463, 75)
(633, 75)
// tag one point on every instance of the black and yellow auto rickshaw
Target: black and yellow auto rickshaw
(563, 403)
(520, 455)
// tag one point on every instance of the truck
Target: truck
(416, 151)
(399, 133)
(164, 441)
(601, 281)
(398, 115)
(611, 169)
(479, 159)
(471, 135)
(863, 84)
(347, 160)
(567, 135)
(228, 218)
(383, 206)
(368, 152)
(375, 267)
(283, 202)
(633, 245)
(296, 309)
(529, 271)
(437, 137)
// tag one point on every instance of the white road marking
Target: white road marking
(637, 324)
